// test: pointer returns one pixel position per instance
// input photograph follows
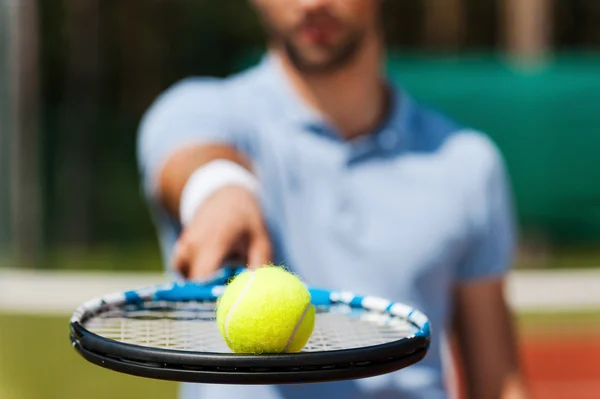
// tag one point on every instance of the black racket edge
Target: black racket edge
(84, 339)
(251, 376)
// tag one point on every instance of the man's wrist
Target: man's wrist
(209, 178)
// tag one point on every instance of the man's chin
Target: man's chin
(320, 63)
(315, 66)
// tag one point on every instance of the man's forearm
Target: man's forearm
(487, 342)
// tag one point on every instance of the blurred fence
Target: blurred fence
(100, 65)
(4, 125)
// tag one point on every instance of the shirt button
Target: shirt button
(388, 139)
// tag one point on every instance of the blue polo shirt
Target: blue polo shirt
(406, 212)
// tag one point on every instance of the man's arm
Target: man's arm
(487, 350)
(481, 320)
(195, 169)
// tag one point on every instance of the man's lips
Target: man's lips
(319, 31)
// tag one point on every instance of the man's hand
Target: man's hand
(228, 224)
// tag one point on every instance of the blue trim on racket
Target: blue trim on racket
(211, 290)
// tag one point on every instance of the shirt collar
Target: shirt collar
(300, 113)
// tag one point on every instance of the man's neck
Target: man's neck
(353, 99)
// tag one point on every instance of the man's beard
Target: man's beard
(337, 58)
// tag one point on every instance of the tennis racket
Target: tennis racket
(169, 332)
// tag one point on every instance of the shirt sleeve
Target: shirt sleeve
(193, 111)
(491, 232)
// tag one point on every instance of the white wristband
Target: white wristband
(209, 178)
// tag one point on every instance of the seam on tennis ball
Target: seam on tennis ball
(296, 328)
(235, 303)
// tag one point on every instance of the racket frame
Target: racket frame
(229, 368)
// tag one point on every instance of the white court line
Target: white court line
(543, 290)
(51, 292)
(59, 292)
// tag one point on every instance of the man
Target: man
(312, 159)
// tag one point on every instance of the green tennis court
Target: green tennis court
(38, 347)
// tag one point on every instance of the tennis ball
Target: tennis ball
(266, 310)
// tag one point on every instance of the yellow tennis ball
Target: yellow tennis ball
(267, 310)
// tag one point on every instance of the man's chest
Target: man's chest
(400, 215)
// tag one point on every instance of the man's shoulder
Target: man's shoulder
(204, 95)
(211, 87)
(465, 145)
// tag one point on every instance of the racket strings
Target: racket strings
(191, 326)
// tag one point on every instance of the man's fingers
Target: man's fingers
(181, 257)
(213, 256)
(208, 260)
(259, 252)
